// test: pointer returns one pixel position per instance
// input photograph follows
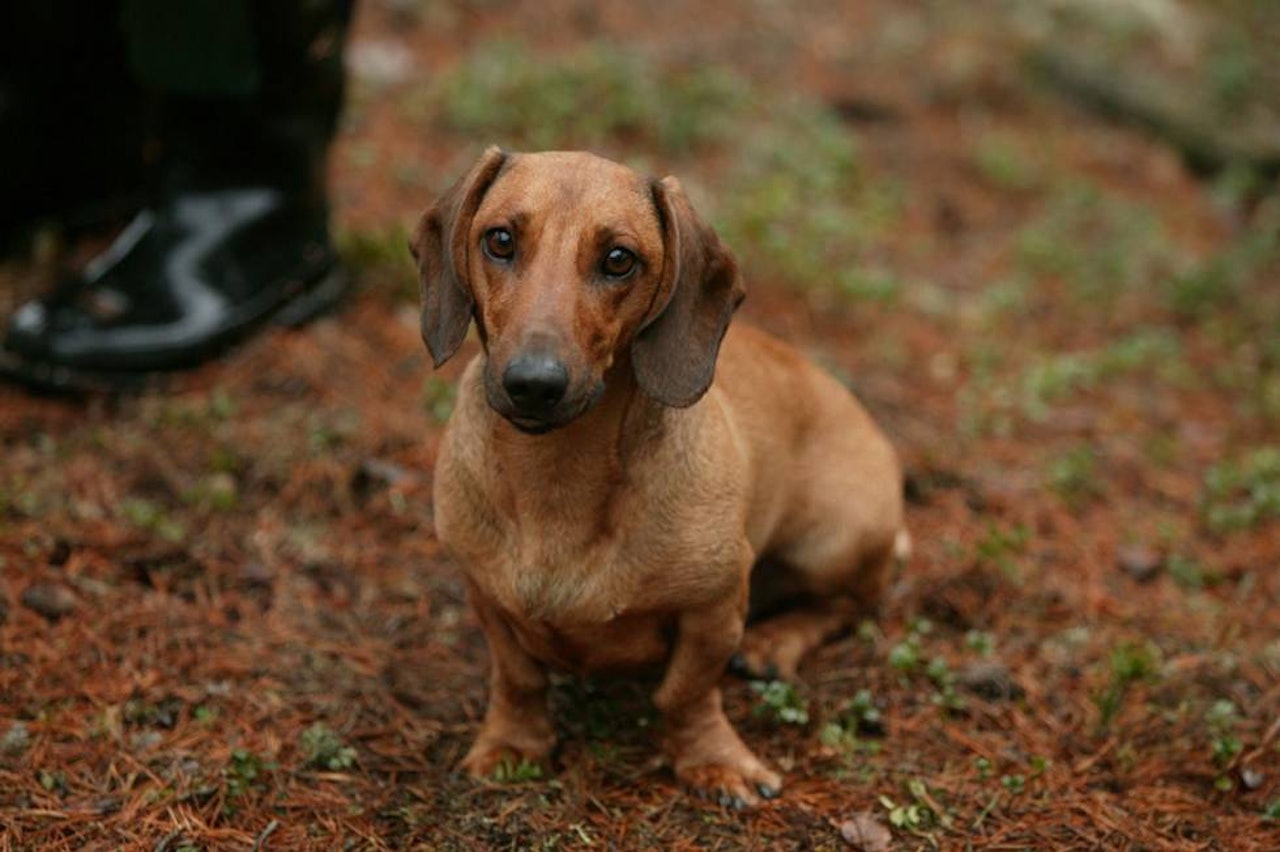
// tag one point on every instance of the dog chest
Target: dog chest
(629, 642)
(591, 611)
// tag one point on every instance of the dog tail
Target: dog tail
(902, 546)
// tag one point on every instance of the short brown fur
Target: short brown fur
(623, 537)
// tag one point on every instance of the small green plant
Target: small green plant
(864, 284)
(982, 642)
(1130, 662)
(835, 735)
(53, 781)
(921, 815)
(998, 301)
(863, 713)
(517, 772)
(1216, 287)
(1221, 720)
(944, 680)
(322, 748)
(1003, 163)
(438, 397)
(939, 671)
(146, 515)
(1244, 493)
(1051, 380)
(161, 714)
(1203, 289)
(908, 655)
(244, 772)
(859, 718)
(369, 249)
(1133, 661)
(782, 701)
(1233, 72)
(1191, 573)
(1271, 812)
(909, 817)
(1000, 547)
(381, 257)
(1074, 477)
(1015, 784)
(15, 740)
(218, 491)
(223, 459)
(222, 405)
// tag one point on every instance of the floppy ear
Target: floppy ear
(674, 354)
(439, 244)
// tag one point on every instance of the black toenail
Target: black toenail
(767, 792)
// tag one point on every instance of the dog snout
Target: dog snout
(535, 383)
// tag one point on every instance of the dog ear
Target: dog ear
(439, 245)
(674, 353)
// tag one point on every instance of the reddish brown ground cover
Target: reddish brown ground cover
(225, 622)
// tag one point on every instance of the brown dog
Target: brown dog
(606, 498)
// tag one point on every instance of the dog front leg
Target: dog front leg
(706, 752)
(517, 724)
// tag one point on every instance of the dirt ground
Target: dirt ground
(225, 621)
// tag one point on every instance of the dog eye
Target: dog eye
(618, 263)
(499, 244)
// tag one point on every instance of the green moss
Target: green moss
(595, 97)
(792, 199)
(1244, 493)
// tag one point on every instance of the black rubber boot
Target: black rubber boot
(183, 282)
(236, 234)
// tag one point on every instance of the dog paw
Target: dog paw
(504, 762)
(767, 657)
(740, 785)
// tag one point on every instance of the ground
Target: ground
(225, 621)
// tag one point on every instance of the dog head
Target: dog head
(570, 263)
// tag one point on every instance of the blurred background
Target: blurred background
(1040, 240)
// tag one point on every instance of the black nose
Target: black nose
(535, 383)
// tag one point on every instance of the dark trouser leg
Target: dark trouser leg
(245, 92)
(71, 115)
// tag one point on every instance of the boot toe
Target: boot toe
(179, 286)
(29, 329)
